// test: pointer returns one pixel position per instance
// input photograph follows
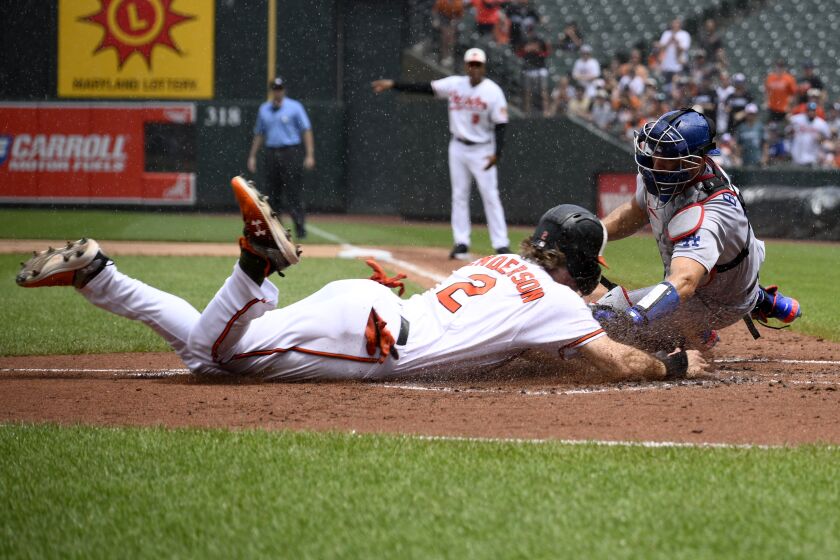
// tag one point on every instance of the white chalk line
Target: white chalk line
(606, 443)
(350, 251)
(776, 361)
(121, 372)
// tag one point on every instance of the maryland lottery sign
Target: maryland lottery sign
(135, 49)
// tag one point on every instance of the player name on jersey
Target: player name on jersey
(459, 102)
(526, 284)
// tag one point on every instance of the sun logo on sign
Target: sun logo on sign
(136, 26)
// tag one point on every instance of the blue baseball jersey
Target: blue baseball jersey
(284, 126)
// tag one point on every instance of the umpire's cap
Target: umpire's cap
(277, 83)
(579, 234)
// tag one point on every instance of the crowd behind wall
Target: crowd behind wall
(791, 122)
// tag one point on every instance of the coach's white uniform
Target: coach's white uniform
(474, 112)
(481, 315)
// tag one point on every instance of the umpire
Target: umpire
(281, 124)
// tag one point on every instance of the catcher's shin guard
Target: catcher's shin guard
(772, 304)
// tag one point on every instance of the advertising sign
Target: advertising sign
(136, 49)
(83, 153)
(614, 189)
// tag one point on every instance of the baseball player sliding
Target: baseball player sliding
(477, 119)
(710, 253)
(485, 313)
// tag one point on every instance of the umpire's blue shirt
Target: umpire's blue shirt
(284, 126)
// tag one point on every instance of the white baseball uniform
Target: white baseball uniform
(483, 314)
(474, 111)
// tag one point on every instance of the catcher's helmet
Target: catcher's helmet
(579, 234)
(681, 139)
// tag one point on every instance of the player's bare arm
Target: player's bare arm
(256, 144)
(309, 145)
(627, 363)
(625, 220)
(686, 276)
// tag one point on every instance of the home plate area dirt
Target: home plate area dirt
(782, 389)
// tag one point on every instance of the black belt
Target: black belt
(402, 338)
(469, 142)
(283, 147)
(404, 326)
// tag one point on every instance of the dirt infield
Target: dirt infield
(781, 389)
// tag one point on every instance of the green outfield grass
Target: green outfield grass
(170, 226)
(149, 493)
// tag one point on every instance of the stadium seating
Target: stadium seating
(755, 33)
(796, 30)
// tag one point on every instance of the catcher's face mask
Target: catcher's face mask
(670, 152)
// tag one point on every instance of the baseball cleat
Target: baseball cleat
(460, 252)
(773, 305)
(74, 265)
(263, 234)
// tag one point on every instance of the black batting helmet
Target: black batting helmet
(579, 234)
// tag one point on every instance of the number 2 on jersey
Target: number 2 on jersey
(445, 295)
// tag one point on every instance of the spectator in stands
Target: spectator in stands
(813, 96)
(833, 119)
(780, 87)
(635, 59)
(653, 59)
(633, 77)
(723, 90)
(521, 17)
(626, 107)
(571, 39)
(679, 94)
(809, 132)
(808, 80)
(706, 98)
(446, 14)
(579, 104)
(778, 146)
(534, 52)
(750, 137)
(737, 102)
(586, 70)
(561, 94)
(720, 62)
(728, 156)
(653, 106)
(673, 45)
(830, 158)
(602, 114)
(699, 69)
(487, 14)
(709, 38)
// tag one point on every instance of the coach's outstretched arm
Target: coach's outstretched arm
(627, 363)
(414, 87)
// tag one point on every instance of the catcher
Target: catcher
(710, 253)
(485, 313)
